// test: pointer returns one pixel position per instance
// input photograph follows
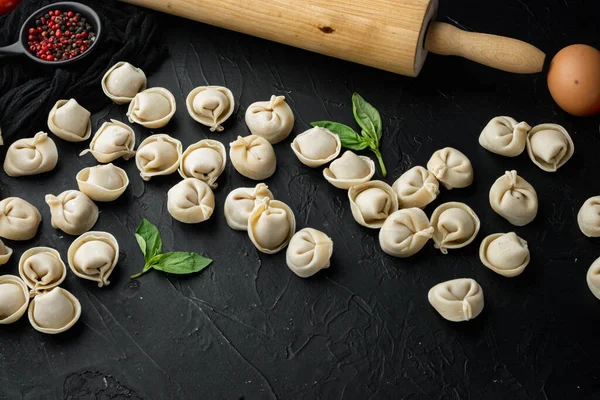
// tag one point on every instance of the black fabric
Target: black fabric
(28, 90)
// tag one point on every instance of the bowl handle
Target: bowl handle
(12, 50)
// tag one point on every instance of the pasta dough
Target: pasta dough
(191, 201)
(588, 217)
(204, 160)
(309, 252)
(152, 108)
(93, 256)
(253, 156)
(272, 120)
(241, 201)
(349, 170)
(504, 136)
(457, 300)
(72, 212)
(14, 299)
(271, 225)
(372, 202)
(42, 269)
(5, 253)
(514, 199)
(158, 155)
(417, 187)
(122, 82)
(405, 232)
(70, 121)
(456, 225)
(102, 182)
(211, 106)
(549, 146)
(592, 278)
(316, 146)
(54, 312)
(114, 139)
(31, 156)
(451, 167)
(19, 220)
(504, 253)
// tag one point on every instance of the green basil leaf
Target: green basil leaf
(348, 136)
(142, 243)
(181, 262)
(150, 235)
(367, 117)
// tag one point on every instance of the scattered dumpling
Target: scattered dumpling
(272, 120)
(549, 146)
(211, 106)
(504, 136)
(253, 156)
(204, 160)
(241, 201)
(31, 156)
(103, 182)
(456, 225)
(588, 217)
(158, 155)
(372, 203)
(309, 252)
(457, 300)
(592, 278)
(349, 170)
(514, 199)
(405, 232)
(417, 187)
(14, 299)
(54, 312)
(504, 253)
(191, 201)
(41, 268)
(72, 212)
(93, 256)
(5, 253)
(19, 220)
(114, 139)
(122, 82)
(70, 121)
(451, 167)
(271, 225)
(152, 108)
(316, 146)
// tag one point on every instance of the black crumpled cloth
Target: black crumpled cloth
(28, 90)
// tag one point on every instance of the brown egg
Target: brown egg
(574, 80)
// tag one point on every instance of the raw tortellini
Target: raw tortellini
(372, 203)
(272, 120)
(451, 167)
(457, 300)
(549, 146)
(211, 106)
(405, 232)
(42, 268)
(204, 160)
(114, 139)
(14, 299)
(5, 253)
(72, 212)
(93, 256)
(70, 121)
(349, 170)
(31, 156)
(253, 156)
(152, 108)
(122, 82)
(504, 136)
(417, 187)
(191, 201)
(504, 253)
(241, 201)
(456, 225)
(514, 199)
(316, 146)
(54, 312)
(271, 225)
(102, 182)
(592, 278)
(19, 220)
(309, 252)
(588, 217)
(158, 155)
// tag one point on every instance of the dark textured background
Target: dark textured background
(248, 327)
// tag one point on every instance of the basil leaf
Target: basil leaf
(150, 236)
(181, 262)
(348, 136)
(367, 117)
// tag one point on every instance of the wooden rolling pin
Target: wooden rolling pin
(393, 35)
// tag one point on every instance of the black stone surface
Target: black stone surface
(247, 327)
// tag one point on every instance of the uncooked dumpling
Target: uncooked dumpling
(457, 300)
(316, 146)
(349, 170)
(31, 156)
(211, 106)
(54, 312)
(19, 220)
(122, 82)
(93, 256)
(70, 121)
(456, 225)
(271, 225)
(114, 139)
(588, 217)
(309, 252)
(191, 201)
(405, 232)
(592, 278)
(549, 146)
(5, 253)
(14, 299)
(241, 201)
(513, 198)
(504, 136)
(41, 268)
(204, 160)
(504, 253)
(253, 156)
(158, 155)
(102, 182)
(451, 167)
(372, 202)
(272, 120)
(152, 108)
(417, 187)
(72, 212)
